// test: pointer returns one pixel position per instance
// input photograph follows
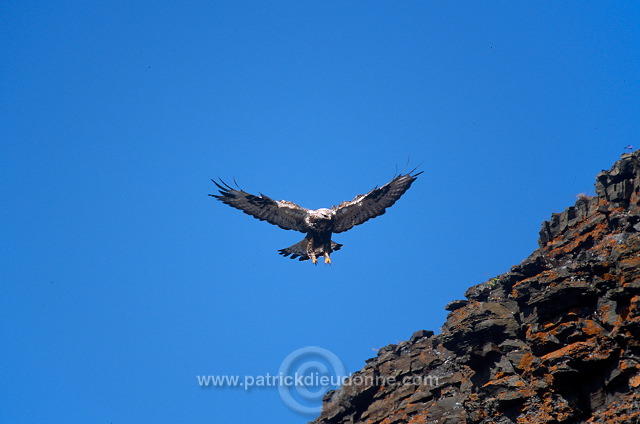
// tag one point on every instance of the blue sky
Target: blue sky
(122, 280)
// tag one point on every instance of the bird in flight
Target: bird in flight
(320, 224)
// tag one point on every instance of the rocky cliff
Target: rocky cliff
(554, 340)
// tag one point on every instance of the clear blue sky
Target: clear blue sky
(122, 280)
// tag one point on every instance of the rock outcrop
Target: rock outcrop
(554, 340)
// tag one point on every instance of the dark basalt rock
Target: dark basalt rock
(455, 304)
(554, 340)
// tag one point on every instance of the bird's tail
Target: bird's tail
(299, 250)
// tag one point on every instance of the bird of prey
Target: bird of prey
(318, 224)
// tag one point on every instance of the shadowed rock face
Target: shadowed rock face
(555, 340)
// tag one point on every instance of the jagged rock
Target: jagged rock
(455, 304)
(554, 340)
(420, 334)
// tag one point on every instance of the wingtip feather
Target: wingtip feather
(220, 186)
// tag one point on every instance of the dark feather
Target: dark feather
(373, 204)
(284, 214)
(299, 250)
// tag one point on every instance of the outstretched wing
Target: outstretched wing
(373, 204)
(282, 213)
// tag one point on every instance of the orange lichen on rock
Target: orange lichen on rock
(591, 328)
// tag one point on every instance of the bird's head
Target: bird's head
(324, 213)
